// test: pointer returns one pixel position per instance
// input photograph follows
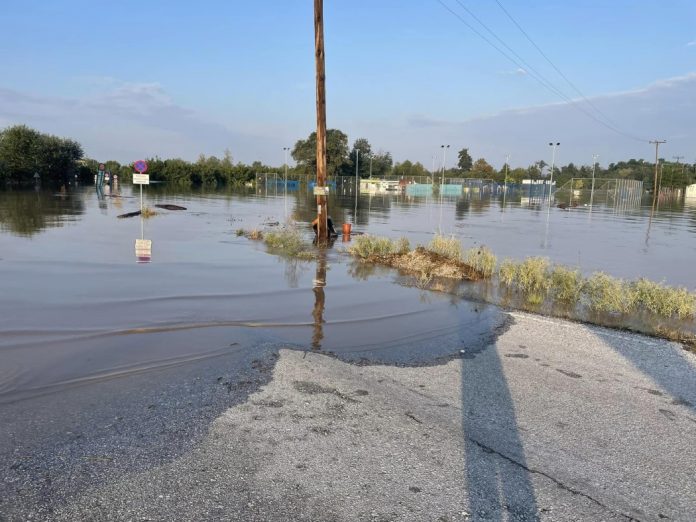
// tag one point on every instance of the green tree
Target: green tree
(361, 152)
(382, 164)
(24, 152)
(482, 169)
(408, 169)
(465, 162)
(305, 153)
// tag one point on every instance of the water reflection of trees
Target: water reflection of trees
(27, 213)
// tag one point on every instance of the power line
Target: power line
(572, 85)
(533, 73)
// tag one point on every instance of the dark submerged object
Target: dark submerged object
(167, 206)
(330, 226)
(129, 214)
(564, 206)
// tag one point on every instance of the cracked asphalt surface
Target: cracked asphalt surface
(552, 421)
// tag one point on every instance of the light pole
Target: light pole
(442, 183)
(286, 149)
(444, 161)
(553, 163)
(370, 165)
(357, 181)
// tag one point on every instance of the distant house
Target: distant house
(691, 191)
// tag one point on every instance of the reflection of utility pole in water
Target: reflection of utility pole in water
(507, 161)
(319, 299)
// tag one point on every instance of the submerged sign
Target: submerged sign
(143, 250)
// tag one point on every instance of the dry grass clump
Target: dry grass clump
(608, 294)
(664, 300)
(147, 212)
(566, 284)
(448, 247)
(254, 233)
(427, 264)
(482, 260)
(287, 241)
(532, 278)
(507, 272)
(402, 246)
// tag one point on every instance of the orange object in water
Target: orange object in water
(346, 238)
(346, 228)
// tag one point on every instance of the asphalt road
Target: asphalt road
(551, 421)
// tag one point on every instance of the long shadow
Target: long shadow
(497, 478)
(667, 366)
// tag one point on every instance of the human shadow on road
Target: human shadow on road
(497, 478)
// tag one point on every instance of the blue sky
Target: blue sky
(178, 78)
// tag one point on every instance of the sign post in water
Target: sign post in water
(143, 247)
(140, 178)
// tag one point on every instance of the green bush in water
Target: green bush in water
(287, 241)
(366, 246)
(507, 273)
(664, 300)
(608, 294)
(532, 276)
(566, 284)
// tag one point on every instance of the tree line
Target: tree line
(26, 153)
(27, 156)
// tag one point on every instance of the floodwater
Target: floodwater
(76, 307)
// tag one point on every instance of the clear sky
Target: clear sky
(130, 79)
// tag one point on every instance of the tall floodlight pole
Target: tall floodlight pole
(442, 182)
(553, 163)
(444, 161)
(357, 182)
(286, 149)
(370, 165)
(322, 211)
(657, 144)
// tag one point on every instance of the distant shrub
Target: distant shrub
(448, 247)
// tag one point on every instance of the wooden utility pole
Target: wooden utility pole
(655, 187)
(322, 210)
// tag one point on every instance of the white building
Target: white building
(691, 191)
